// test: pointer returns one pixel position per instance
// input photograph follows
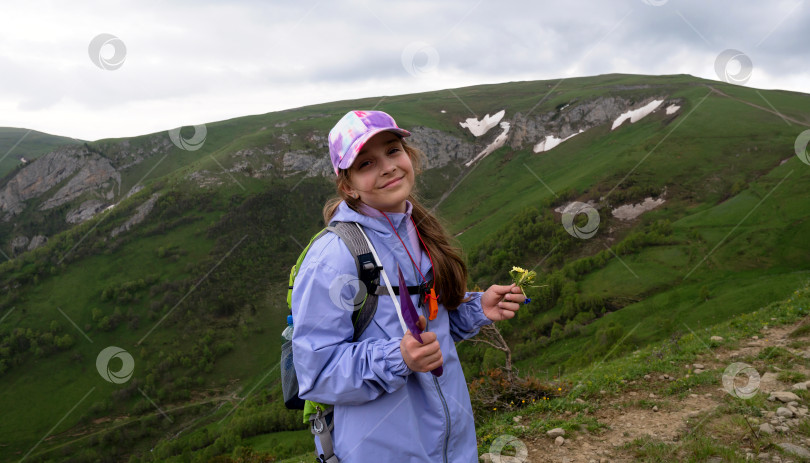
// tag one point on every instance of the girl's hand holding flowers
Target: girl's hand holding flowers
(501, 302)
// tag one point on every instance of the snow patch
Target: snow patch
(671, 109)
(443, 111)
(499, 141)
(635, 115)
(481, 127)
(570, 206)
(551, 141)
(631, 211)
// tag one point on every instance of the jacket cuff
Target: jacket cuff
(476, 311)
(394, 362)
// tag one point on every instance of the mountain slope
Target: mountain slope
(195, 291)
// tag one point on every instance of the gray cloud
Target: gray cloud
(206, 56)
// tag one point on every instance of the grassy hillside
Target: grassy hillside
(196, 293)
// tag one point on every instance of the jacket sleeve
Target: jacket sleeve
(332, 369)
(467, 320)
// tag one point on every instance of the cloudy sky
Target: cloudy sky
(99, 69)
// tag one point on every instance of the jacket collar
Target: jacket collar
(374, 219)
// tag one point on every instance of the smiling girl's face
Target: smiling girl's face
(382, 173)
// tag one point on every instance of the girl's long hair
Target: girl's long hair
(449, 270)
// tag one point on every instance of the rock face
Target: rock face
(140, 214)
(96, 173)
(83, 170)
(38, 177)
(570, 119)
(440, 148)
(303, 161)
(36, 242)
(85, 211)
(18, 244)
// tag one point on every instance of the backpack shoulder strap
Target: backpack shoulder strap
(368, 270)
(297, 266)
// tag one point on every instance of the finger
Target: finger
(433, 365)
(507, 314)
(509, 305)
(428, 337)
(502, 289)
(410, 341)
(430, 349)
(422, 323)
(432, 358)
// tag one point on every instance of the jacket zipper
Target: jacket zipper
(444, 404)
(438, 388)
(446, 421)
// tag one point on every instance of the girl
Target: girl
(387, 405)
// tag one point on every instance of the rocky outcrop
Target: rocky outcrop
(569, 119)
(441, 148)
(18, 245)
(140, 214)
(127, 153)
(96, 174)
(85, 211)
(36, 242)
(299, 161)
(36, 178)
(83, 170)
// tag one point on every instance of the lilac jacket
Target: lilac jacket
(383, 410)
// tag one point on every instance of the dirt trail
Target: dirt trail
(629, 415)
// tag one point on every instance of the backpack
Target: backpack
(368, 270)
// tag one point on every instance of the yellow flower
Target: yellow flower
(518, 269)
